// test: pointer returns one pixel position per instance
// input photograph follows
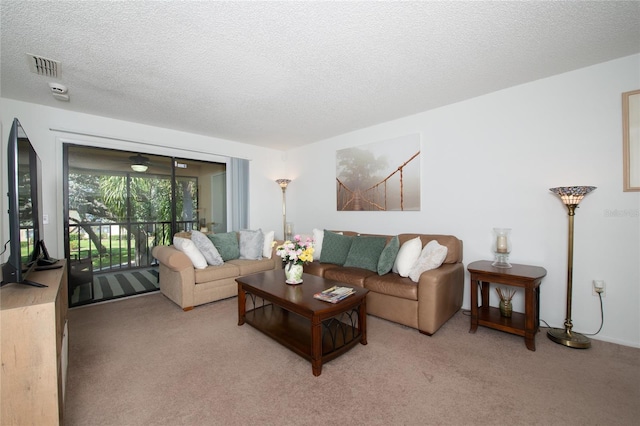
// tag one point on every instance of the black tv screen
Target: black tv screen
(25, 204)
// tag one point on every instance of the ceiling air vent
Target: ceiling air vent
(43, 66)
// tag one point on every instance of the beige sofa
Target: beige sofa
(187, 286)
(425, 305)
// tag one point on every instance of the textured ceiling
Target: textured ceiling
(282, 74)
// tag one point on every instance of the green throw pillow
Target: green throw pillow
(388, 256)
(365, 252)
(227, 245)
(335, 248)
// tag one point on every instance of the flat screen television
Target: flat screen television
(25, 214)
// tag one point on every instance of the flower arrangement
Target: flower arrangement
(296, 252)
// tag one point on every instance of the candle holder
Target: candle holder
(501, 247)
(288, 231)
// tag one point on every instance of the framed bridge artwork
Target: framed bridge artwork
(380, 176)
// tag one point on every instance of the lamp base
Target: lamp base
(569, 338)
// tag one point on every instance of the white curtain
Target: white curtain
(239, 175)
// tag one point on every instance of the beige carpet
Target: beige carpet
(143, 361)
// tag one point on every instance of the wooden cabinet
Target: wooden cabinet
(34, 349)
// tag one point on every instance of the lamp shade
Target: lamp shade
(139, 167)
(139, 163)
(283, 183)
(572, 195)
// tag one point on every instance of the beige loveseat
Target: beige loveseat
(187, 286)
(425, 305)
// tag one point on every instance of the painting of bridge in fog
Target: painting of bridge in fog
(381, 176)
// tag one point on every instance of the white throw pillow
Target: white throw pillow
(318, 236)
(251, 244)
(187, 246)
(268, 244)
(431, 257)
(407, 256)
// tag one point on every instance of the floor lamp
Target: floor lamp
(571, 197)
(283, 184)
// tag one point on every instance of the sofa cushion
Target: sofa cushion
(251, 244)
(206, 247)
(267, 247)
(227, 245)
(247, 267)
(407, 256)
(335, 248)
(187, 246)
(365, 252)
(349, 275)
(214, 273)
(318, 269)
(392, 285)
(388, 256)
(431, 257)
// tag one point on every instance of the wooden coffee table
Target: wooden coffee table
(316, 330)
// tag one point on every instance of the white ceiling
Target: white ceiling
(282, 74)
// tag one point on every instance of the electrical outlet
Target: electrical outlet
(599, 287)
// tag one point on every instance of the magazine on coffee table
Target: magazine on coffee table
(334, 294)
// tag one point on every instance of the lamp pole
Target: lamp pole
(283, 184)
(568, 325)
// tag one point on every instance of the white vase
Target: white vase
(293, 272)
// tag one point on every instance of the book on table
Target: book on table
(334, 294)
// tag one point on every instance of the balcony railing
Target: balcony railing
(120, 245)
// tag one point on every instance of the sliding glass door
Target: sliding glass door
(119, 205)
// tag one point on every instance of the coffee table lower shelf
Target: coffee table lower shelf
(294, 331)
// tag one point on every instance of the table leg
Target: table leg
(485, 286)
(362, 321)
(316, 346)
(474, 305)
(241, 304)
(530, 318)
(537, 293)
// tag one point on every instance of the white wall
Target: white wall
(265, 201)
(489, 162)
(486, 162)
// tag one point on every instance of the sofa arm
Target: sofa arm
(172, 258)
(440, 294)
(177, 276)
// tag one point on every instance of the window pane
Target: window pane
(201, 195)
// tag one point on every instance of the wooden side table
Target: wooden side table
(525, 276)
